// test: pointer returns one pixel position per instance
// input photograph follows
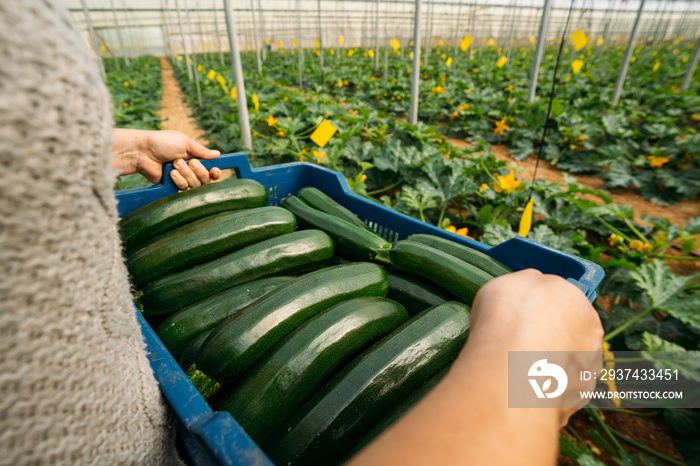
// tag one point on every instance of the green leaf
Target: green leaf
(686, 362)
(557, 107)
(496, 233)
(655, 343)
(522, 150)
(659, 282)
(685, 422)
(686, 309)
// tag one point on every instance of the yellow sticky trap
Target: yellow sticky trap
(526, 219)
(448, 62)
(323, 133)
(233, 94)
(103, 48)
(317, 43)
(267, 42)
(411, 55)
(501, 62)
(211, 75)
(411, 43)
(466, 42)
(220, 79)
(256, 102)
(295, 42)
(371, 54)
(395, 44)
(533, 40)
(341, 40)
(579, 39)
(576, 65)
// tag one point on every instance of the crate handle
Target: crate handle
(139, 197)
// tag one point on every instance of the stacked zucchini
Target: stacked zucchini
(311, 330)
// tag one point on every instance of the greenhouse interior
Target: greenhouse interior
(363, 177)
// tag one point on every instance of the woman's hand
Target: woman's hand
(145, 152)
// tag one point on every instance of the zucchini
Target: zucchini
(351, 242)
(336, 418)
(280, 383)
(485, 262)
(206, 239)
(415, 294)
(284, 254)
(239, 342)
(399, 410)
(190, 352)
(178, 330)
(320, 201)
(184, 207)
(460, 278)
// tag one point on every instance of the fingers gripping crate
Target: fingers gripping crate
(215, 437)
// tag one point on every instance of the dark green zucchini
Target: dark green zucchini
(351, 242)
(284, 254)
(284, 379)
(178, 330)
(207, 239)
(184, 207)
(460, 278)
(239, 342)
(320, 201)
(485, 262)
(190, 352)
(414, 293)
(400, 409)
(336, 418)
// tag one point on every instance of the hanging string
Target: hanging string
(526, 219)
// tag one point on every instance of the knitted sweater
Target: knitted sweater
(75, 384)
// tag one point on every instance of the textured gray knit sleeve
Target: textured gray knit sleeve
(75, 384)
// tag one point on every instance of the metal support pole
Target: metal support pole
(238, 78)
(184, 44)
(95, 42)
(218, 36)
(457, 34)
(691, 69)
(628, 55)
(300, 58)
(256, 41)
(172, 52)
(427, 32)
(415, 74)
(262, 31)
(376, 36)
(320, 40)
(119, 35)
(539, 50)
(194, 57)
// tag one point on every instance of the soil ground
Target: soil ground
(648, 431)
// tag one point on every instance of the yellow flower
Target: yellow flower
(580, 138)
(363, 178)
(280, 134)
(483, 186)
(126, 104)
(694, 118)
(319, 155)
(338, 84)
(271, 120)
(461, 231)
(657, 162)
(285, 98)
(126, 83)
(346, 82)
(506, 183)
(398, 97)
(455, 114)
(467, 91)
(639, 246)
(451, 229)
(501, 126)
(615, 239)
(510, 87)
(443, 78)
(256, 102)
(438, 89)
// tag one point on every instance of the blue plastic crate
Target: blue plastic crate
(215, 437)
